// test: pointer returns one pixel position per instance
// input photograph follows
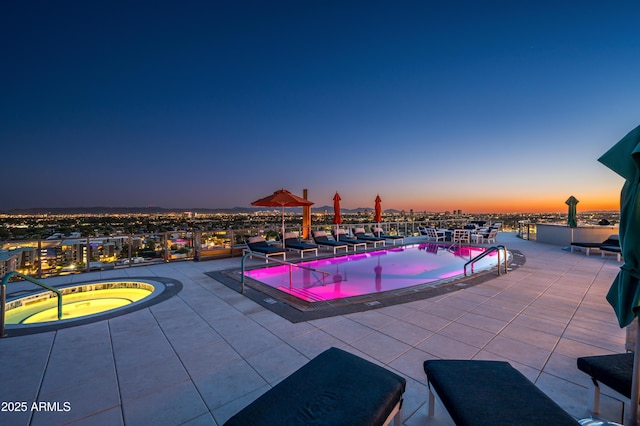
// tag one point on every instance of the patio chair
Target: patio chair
(292, 242)
(461, 236)
(341, 236)
(321, 239)
(434, 235)
(379, 232)
(485, 237)
(360, 234)
(260, 245)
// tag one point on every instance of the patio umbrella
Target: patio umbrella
(572, 217)
(282, 198)
(624, 294)
(378, 215)
(337, 219)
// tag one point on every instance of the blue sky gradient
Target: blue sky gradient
(479, 106)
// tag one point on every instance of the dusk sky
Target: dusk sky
(494, 106)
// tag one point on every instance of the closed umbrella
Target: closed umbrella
(378, 215)
(282, 198)
(337, 219)
(572, 218)
(624, 294)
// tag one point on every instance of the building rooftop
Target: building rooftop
(207, 352)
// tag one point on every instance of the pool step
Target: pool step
(301, 293)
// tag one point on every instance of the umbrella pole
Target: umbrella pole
(632, 414)
(283, 227)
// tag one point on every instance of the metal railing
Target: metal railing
(3, 296)
(282, 262)
(491, 249)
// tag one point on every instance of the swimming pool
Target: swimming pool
(424, 265)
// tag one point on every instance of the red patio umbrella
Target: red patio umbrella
(378, 214)
(337, 219)
(282, 198)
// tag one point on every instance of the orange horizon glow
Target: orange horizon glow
(507, 204)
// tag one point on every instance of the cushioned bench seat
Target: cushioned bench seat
(490, 393)
(614, 371)
(334, 388)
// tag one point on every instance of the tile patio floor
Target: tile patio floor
(204, 354)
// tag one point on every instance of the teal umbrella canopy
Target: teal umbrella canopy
(624, 294)
(572, 202)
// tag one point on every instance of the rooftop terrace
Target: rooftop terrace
(202, 355)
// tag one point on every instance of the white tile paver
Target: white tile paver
(201, 356)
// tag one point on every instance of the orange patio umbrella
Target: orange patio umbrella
(282, 198)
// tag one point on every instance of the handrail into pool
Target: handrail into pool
(485, 253)
(3, 297)
(283, 262)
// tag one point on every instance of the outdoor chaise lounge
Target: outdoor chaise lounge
(334, 388)
(292, 242)
(260, 245)
(360, 234)
(322, 240)
(379, 232)
(612, 245)
(491, 393)
(612, 242)
(341, 236)
(614, 371)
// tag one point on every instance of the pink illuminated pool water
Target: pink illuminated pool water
(372, 272)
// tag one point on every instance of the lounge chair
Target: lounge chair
(611, 245)
(341, 236)
(611, 242)
(361, 235)
(260, 245)
(481, 393)
(336, 387)
(292, 242)
(379, 232)
(322, 240)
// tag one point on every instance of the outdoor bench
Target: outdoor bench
(614, 371)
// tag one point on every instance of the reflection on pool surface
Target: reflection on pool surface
(372, 272)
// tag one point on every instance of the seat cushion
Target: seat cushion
(615, 371)
(492, 393)
(335, 388)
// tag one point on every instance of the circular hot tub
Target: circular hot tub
(84, 303)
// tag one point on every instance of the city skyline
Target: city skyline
(486, 107)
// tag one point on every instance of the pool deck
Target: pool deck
(204, 354)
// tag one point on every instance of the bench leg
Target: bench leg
(395, 415)
(431, 402)
(595, 398)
